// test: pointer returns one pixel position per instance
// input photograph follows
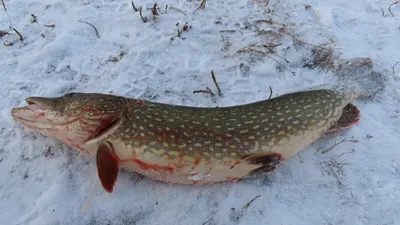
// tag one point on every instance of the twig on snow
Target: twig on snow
(34, 18)
(11, 26)
(342, 141)
(134, 7)
(394, 3)
(8, 15)
(287, 61)
(270, 92)
(115, 59)
(50, 25)
(95, 29)
(100, 62)
(19, 34)
(4, 5)
(154, 10)
(250, 202)
(208, 91)
(207, 221)
(178, 10)
(395, 66)
(335, 169)
(3, 33)
(294, 73)
(201, 6)
(272, 46)
(215, 82)
(141, 15)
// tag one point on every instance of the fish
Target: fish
(180, 144)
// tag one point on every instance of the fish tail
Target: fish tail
(358, 77)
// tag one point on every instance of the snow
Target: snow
(45, 182)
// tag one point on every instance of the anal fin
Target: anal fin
(268, 162)
(107, 166)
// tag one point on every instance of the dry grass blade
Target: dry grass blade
(321, 58)
(116, 59)
(394, 3)
(141, 15)
(178, 10)
(395, 66)
(270, 92)
(201, 6)
(3, 33)
(335, 170)
(287, 61)
(295, 40)
(273, 46)
(291, 71)
(50, 25)
(100, 62)
(215, 82)
(8, 15)
(134, 7)
(269, 22)
(207, 221)
(33, 18)
(154, 10)
(250, 202)
(344, 153)
(250, 50)
(19, 34)
(95, 29)
(227, 31)
(207, 91)
(342, 141)
(4, 5)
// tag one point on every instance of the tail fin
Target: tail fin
(357, 76)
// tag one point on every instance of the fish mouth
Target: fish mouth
(36, 113)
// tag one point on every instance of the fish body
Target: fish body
(188, 145)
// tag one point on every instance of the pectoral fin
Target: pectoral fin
(107, 166)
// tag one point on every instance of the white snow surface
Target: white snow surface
(44, 182)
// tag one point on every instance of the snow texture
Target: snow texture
(251, 45)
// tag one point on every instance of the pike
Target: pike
(199, 145)
(188, 145)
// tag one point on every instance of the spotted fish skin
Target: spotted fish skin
(188, 145)
(205, 145)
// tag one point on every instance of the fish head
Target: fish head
(74, 117)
